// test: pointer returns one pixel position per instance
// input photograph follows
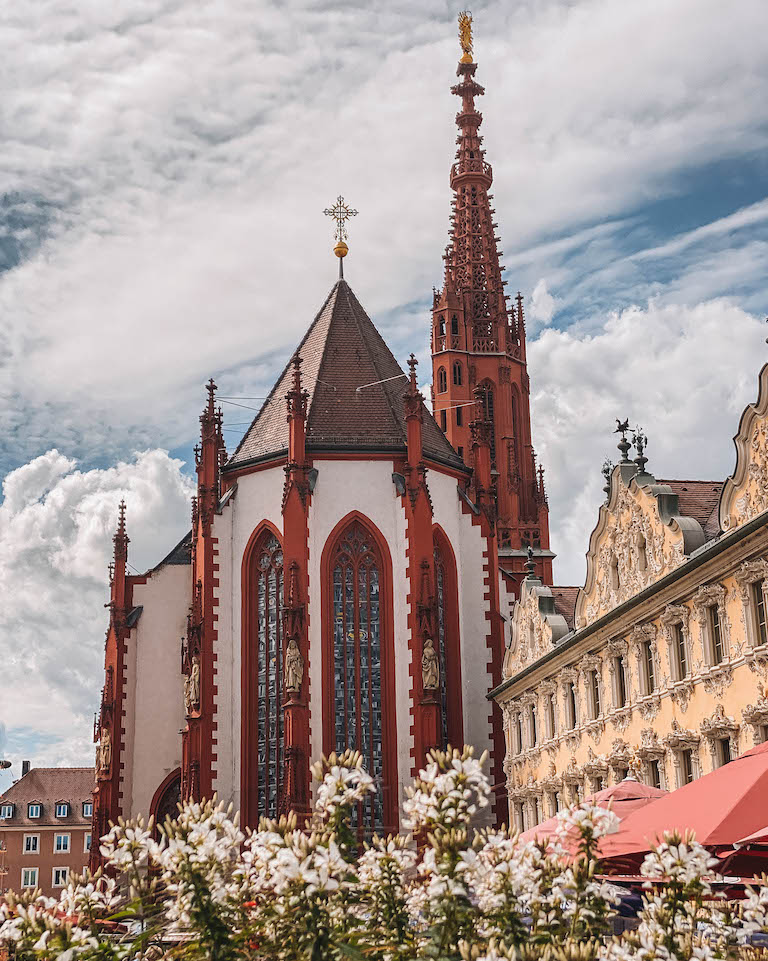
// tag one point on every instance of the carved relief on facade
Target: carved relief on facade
(620, 759)
(717, 728)
(630, 548)
(756, 715)
(745, 494)
(536, 626)
(678, 741)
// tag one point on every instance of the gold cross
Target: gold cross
(340, 213)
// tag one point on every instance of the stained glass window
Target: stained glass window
(357, 698)
(441, 637)
(490, 414)
(269, 670)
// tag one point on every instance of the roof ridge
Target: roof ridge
(270, 395)
(683, 480)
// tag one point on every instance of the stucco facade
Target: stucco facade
(660, 661)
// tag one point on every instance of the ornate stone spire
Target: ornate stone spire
(640, 442)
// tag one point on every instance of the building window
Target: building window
(723, 751)
(87, 809)
(532, 725)
(269, 674)
(649, 667)
(653, 772)
(570, 703)
(715, 634)
(489, 414)
(460, 451)
(6, 811)
(459, 417)
(593, 689)
(454, 326)
(448, 647)
(357, 658)
(34, 810)
(620, 673)
(518, 732)
(29, 877)
(457, 375)
(87, 841)
(686, 766)
(60, 877)
(31, 843)
(551, 716)
(62, 809)
(443, 421)
(536, 811)
(598, 783)
(680, 651)
(61, 843)
(442, 381)
(758, 610)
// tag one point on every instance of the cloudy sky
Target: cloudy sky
(163, 172)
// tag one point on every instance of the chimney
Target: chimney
(25, 766)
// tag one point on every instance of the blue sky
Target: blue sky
(162, 180)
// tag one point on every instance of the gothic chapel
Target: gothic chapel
(351, 566)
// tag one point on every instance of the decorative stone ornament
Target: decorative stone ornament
(192, 687)
(430, 666)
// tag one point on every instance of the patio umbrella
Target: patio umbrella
(623, 798)
(720, 808)
(756, 837)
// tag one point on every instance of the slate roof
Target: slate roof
(49, 785)
(341, 351)
(700, 500)
(565, 602)
(180, 554)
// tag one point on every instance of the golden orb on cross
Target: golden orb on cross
(341, 212)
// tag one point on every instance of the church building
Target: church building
(351, 567)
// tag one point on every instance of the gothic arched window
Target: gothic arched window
(489, 413)
(359, 705)
(262, 679)
(451, 726)
(457, 375)
(455, 325)
(442, 381)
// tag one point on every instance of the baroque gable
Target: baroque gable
(640, 536)
(536, 626)
(745, 494)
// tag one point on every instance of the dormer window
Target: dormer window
(87, 809)
(62, 809)
(34, 810)
(6, 811)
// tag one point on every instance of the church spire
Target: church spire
(478, 341)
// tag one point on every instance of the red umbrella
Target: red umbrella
(623, 798)
(756, 837)
(720, 808)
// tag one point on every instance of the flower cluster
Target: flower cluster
(197, 887)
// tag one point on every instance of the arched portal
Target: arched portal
(358, 660)
(165, 801)
(449, 646)
(262, 743)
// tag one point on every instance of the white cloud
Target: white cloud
(682, 372)
(56, 525)
(542, 308)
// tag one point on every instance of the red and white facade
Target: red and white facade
(340, 587)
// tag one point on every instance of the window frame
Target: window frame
(63, 883)
(29, 850)
(686, 754)
(682, 666)
(442, 380)
(30, 870)
(67, 848)
(7, 807)
(593, 690)
(61, 809)
(87, 841)
(38, 807)
(757, 604)
(89, 812)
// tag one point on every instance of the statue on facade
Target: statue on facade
(430, 666)
(104, 752)
(294, 667)
(192, 687)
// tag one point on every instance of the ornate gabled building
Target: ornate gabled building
(660, 660)
(478, 344)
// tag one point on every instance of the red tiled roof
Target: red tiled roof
(49, 785)
(565, 602)
(342, 351)
(700, 500)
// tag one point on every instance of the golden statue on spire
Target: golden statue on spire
(465, 35)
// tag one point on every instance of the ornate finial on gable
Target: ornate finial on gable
(607, 469)
(341, 212)
(530, 566)
(622, 426)
(640, 442)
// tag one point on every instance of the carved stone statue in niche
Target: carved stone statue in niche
(192, 687)
(294, 667)
(430, 666)
(104, 753)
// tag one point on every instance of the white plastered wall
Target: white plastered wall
(154, 686)
(258, 498)
(468, 546)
